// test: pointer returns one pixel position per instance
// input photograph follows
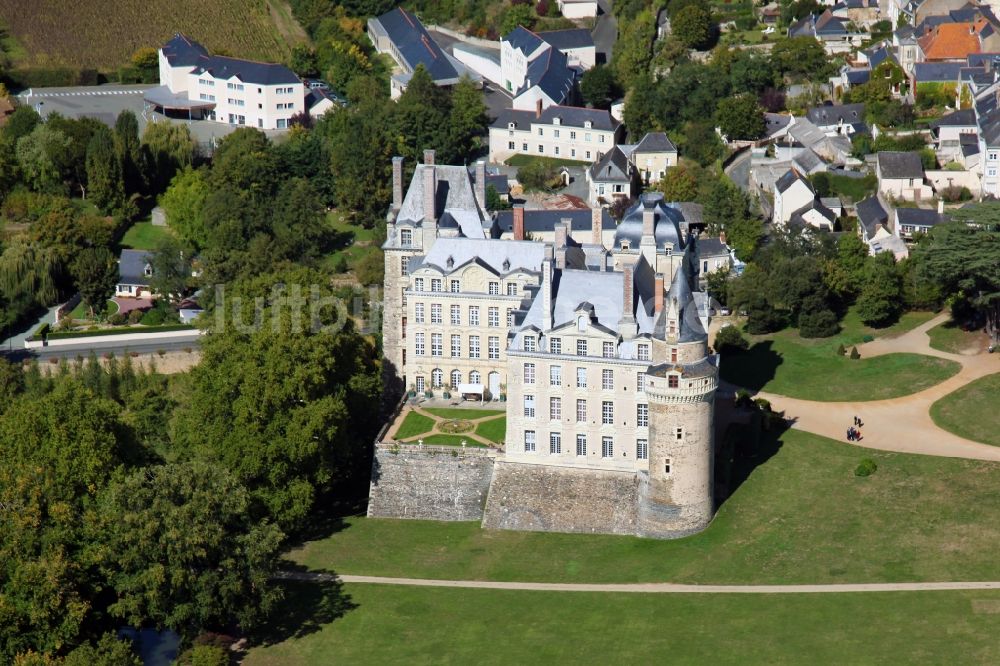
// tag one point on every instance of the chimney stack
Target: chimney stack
(562, 232)
(481, 184)
(518, 221)
(429, 191)
(648, 220)
(722, 237)
(429, 157)
(547, 291)
(658, 296)
(560, 244)
(538, 104)
(596, 225)
(397, 183)
(627, 326)
(940, 206)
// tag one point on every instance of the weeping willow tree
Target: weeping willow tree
(963, 258)
(30, 272)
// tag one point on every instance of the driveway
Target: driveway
(605, 31)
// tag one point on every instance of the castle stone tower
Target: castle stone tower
(675, 495)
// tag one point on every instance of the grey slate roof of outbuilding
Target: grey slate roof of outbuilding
(551, 72)
(546, 220)
(132, 267)
(574, 38)
(655, 142)
(790, 178)
(711, 247)
(894, 164)
(936, 72)
(960, 118)
(871, 213)
(415, 44)
(798, 216)
(919, 217)
(523, 39)
(836, 113)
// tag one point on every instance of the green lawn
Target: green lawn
(458, 413)
(800, 517)
(414, 424)
(352, 241)
(494, 430)
(854, 189)
(144, 236)
(525, 160)
(81, 311)
(948, 337)
(788, 364)
(969, 411)
(384, 624)
(452, 440)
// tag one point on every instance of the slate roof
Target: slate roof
(500, 256)
(926, 72)
(919, 217)
(523, 39)
(808, 161)
(790, 178)
(132, 267)
(711, 247)
(612, 167)
(454, 198)
(181, 51)
(961, 118)
(551, 72)
(893, 164)
(542, 221)
(666, 224)
(879, 54)
(573, 116)
(856, 77)
(828, 24)
(567, 39)
(775, 122)
(415, 44)
(655, 142)
(871, 214)
(798, 217)
(835, 114)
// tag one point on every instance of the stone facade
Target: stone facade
(429, 483)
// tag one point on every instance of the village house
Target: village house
(652, 156)
(909, 221)
(135, 270)
(612, 177)
(578, 9)
(792, 192)
(901, 176)
(566, 132)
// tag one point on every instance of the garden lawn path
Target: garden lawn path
(899, 424)
(438, 420)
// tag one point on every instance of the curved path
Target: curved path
(899, 424)
(647, 588)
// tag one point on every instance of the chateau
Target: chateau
(601, 350)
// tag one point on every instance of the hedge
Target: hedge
(121, 331)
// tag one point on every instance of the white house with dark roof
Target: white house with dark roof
(228, 90)
(792, 192)
(844, 119)
(135, 270)
(565, 132)
(611, 177)
(578, 9)
(909, 221)
(652, 156)
(542, 68)
(402, 36)
(901, 176)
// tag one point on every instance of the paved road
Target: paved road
(118, 348)
(605, 31)
(647, 588)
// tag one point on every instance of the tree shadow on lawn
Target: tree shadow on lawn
(307, 607)
(744, 447)
(753, 368)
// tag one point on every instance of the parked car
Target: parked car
(316, 84)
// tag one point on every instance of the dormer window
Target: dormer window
(506, 264)
(625, 245)
(673, 381)
(587, 124)
(406, 237)
(147, 270)
(529, 343)
(556, 121)
(511, 125)
(450, 262)
(581, 323)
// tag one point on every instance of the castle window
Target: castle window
(473, 346)
(529, 373)
(494, 288)
(673, 381)
(418, 284)
(456, 378)
(607, 447)
(475, 377)
(581, 411)
(510, 317)
(666, 466)
(456, 346)
(420, 384)
(529, 343)
(642, 416)
(473, 315)
(404, 265)
(404, 328)
(608, 380)
(529, 441)
(437, 378)
(640, 381)
(435, 313)
(406, 237)
(581, 347)
(581, 445)
(493, 347)
(555, 345)
(529, 406)
(673, 354)
(641, 449)
(555, 375)
(454, 286)
(555, 443)
(555, 409)
(643, 352)
(418, 313)
(456, 315)
(581, 377)
(608, 412)
(512, 289)
(493, 317)
(436, 344)
(608, 350)
(679, 433)
(436, 284)
(418, 344)
(581, 324)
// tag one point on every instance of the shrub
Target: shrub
(763, 404)
(207, 655)
(339, 264)
(153, 317)
(729, 340)
(855, 354)
(743, 398)
(867, 338)
(818, 324)
(841, 350)
(135, 316)
(117, 319)
(161, 352)
(866, 467)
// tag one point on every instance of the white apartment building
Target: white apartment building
(566, 132)
(228, 90)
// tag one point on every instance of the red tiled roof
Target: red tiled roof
(951, 41)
